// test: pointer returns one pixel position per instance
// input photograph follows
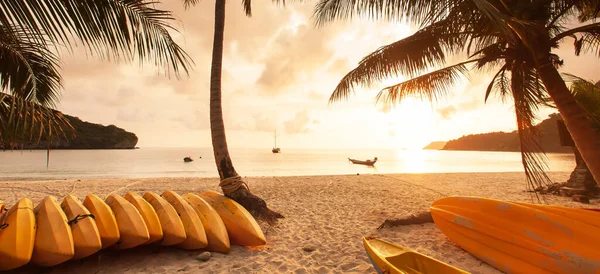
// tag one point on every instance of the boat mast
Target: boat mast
(275, 138)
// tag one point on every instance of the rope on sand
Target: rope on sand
(231, 184)
(415, 185)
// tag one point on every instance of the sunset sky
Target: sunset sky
(279, 71)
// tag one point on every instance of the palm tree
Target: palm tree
(231, 183)
(587, 95)
(514, 37)
(32, 31)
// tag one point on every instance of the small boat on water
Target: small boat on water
(275, 148)
(367, 162)
(187, 159)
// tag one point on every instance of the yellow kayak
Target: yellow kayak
(53, 237)
(86, 237)
(132, 228)
(216, 232)
(390, 258)
(105, 220)
(242, 228)
(515, 238)
(194, 230)
(17, 234)
(172, 227)
(148, 214)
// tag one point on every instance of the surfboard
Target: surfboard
(131, 225)
(53, 237)
(387, 257)
(172, 227)
(86, 237)
(194, 230)
(216, 232)
(148, 214)
(518, 239)
(17, 234)
(241, 226)
(105, 220)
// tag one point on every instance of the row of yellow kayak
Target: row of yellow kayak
(513, 237)
(52, 232)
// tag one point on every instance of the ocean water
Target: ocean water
(168, 162)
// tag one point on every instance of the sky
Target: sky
(278, 73)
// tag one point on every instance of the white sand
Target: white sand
(329, 214)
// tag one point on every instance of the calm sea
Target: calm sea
(168, 162)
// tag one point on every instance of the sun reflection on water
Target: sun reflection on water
(415, 160)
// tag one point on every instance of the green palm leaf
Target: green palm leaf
(110, 29)
(28, 69)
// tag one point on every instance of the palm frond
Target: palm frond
(528, 94)
(410, 56)
(22, 121)
(28, 69)
(111, 29)
(588, 10)
(490, 56)
(592, 28)
(414, 10)
(589, 42)
(500, 82)
(513, 29)
(247, 4)
(431, 86)
(587, 95)
(190, 3)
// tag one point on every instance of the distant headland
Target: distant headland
(507, 141)
(88, 136)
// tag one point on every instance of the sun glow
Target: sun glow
(414, 160)
(413, 124)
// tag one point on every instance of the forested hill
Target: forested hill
(509, 141)
(92, 136)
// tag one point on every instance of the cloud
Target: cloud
(262, 123)
(449, 111)
(316, 96)
(341, 65)
(299, 123)
(385, 108)
(293, 57)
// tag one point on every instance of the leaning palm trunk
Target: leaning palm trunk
(231, 183)
(580, 127)
(581, 177)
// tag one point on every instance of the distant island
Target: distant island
(89, 136)
(437, 145)
(509, 141)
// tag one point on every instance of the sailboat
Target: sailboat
(275, 148)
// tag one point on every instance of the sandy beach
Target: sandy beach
(326, 218)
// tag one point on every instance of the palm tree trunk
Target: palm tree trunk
(255, 205)
(217, 126)
(579, 126)
(581, 176)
